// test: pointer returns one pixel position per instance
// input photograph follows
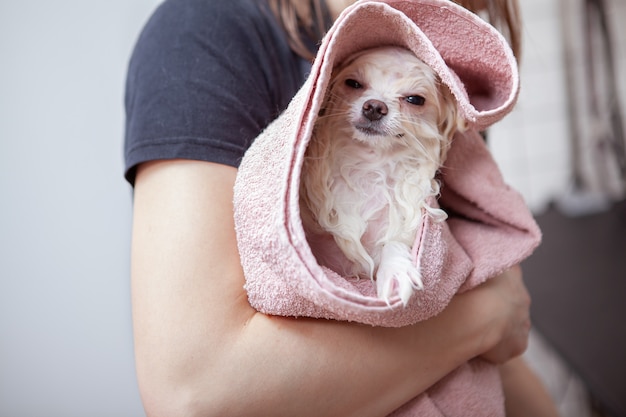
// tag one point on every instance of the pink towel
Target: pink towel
(489, 227)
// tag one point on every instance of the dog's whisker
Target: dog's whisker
(369, 170)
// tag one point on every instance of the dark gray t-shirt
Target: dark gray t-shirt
(205, 78)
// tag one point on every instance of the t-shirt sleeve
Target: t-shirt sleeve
(205, 78)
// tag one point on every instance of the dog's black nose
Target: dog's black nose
(374, 110)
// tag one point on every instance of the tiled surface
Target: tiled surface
(532, 144)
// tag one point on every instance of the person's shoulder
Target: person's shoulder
(206, 36)
(215, 8)
(237, 31)
(217, 18)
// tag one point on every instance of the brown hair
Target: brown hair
(304, 25)
(306, 22)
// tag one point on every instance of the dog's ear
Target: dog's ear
(329, 94)
(450, 119)
(326, 101)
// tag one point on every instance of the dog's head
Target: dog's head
(387, 97)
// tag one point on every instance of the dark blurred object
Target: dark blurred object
(577, 279)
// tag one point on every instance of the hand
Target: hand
(513, 324)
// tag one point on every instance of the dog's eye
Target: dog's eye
(416, 100)
(353, 83)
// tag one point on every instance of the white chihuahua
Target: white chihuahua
(383, 132)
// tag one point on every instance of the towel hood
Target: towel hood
(469, 55)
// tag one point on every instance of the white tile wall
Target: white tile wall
(532, 144)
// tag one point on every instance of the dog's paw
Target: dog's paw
(397, 274)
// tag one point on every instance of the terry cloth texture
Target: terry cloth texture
(489, 228)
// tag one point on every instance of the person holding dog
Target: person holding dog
(205, 78)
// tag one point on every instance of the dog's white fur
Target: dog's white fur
(384, 130)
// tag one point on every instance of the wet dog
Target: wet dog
(369, 170)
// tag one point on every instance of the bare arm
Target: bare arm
(525, 394)
(202, 350)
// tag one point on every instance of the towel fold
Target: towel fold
(489, 228)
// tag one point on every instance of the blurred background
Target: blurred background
(65, 329)
(563, 149)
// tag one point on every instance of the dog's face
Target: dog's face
(386, 96)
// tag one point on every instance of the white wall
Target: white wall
(65, 330)
(532, 144)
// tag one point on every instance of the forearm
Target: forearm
(280, 366)
(202, 350)
(316, 367)
(525, 394)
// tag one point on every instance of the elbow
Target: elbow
(171, 397)
(165, 401)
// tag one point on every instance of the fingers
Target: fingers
(514, 320)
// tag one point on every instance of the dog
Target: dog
(369, 169)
